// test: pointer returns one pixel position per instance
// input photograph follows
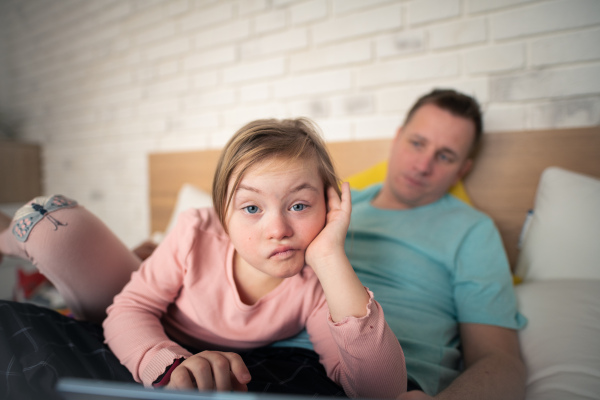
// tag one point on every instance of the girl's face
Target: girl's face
(275, 213)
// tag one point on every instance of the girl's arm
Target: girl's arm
(356, 346)
(133, 328)
(360, 354)
(346, 296)
(134, 331)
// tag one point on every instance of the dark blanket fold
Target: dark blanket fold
(38, 346)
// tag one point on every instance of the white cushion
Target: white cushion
(189, 196)
(561, 342)
(563, 238)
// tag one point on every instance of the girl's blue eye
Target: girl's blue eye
(298, 207)
(251, 209)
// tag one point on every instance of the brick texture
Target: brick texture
(100, 84)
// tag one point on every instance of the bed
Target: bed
(546, 181)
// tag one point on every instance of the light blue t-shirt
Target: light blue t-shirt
(430, 268)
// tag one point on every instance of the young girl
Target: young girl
(265, 263)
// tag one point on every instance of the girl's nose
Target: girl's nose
(278, 227)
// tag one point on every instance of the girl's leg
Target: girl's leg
(77, 252)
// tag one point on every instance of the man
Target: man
(435, 264)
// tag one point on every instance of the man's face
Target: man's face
(429, 155)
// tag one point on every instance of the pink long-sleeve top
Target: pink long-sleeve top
(185, 293)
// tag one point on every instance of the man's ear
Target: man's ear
(464, 170)
(398, 132)
(394, 140)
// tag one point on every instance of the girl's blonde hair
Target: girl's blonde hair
(257, 141)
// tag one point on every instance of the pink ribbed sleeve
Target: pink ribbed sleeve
(133, 328)
(366, 358)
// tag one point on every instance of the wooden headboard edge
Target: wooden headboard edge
(502, 183)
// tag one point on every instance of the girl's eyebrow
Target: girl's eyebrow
(304, 186)
(295, 189)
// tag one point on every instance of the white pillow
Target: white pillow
(563, 238)
(561, 341)
(189, 196)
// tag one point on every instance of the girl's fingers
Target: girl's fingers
(211, 370)
(346, 201)
(182, 377)
(220, 371)
(240, 375)
(229, 371)
(333, 199)
(336, 202)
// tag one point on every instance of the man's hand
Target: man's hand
(211, 370)
(494, 368)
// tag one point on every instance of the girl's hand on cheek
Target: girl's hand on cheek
(211, 370)
(345, 294)
(330, 241)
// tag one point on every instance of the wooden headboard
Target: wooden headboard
(502, 183)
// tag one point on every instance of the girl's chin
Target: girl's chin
(289, 271)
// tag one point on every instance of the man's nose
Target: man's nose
(424, 163)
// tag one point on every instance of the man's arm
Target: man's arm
(494, 368)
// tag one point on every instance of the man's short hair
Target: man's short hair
(457, 104)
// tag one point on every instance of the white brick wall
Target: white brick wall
(495, 58)
(364, 22)
(545, 17)
(102, 83)
(424, 11)
(564, 48)
(310, 11)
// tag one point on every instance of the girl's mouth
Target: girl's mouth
(282, 253)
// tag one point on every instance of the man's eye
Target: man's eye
(445, 158)
(416, 143)
(251, 209)
(298, 207)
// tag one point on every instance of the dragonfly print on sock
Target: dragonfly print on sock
(37, 210)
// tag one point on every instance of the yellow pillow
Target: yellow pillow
(377, 173)
(517, 280)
